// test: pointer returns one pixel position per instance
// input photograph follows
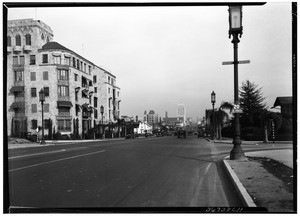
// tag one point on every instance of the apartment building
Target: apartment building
(75, 88)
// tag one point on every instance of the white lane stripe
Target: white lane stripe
(29, 155)
(62, 159)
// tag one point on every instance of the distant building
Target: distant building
(143, 128)
(151, 117)
(181, 113)
(286, 104)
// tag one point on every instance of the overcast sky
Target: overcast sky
(163, 56)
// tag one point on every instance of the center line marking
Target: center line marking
(62, 159)
(62, 150)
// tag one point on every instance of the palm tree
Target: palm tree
(220, 117)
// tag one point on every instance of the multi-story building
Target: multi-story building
(75, 88)
(181, 113)
(151, 118)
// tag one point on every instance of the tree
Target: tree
(220, 116)
(252, 103)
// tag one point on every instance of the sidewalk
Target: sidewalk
(265, 179)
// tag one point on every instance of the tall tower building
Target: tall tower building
(181, 113)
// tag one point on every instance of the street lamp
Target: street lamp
(42, 99)
(102, 111)
(213, 101)
(236, 30)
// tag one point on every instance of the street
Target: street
(151, 172)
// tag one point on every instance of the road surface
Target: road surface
(146, 172)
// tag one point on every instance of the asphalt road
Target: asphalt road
(152, 172)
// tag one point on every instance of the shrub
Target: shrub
(57, 136)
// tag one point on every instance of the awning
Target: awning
(56, 54)
(17, 105)
(85, 91)
(17, 89)
(64, 104)
(85, 106)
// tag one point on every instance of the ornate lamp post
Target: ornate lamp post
(102, 111)
(42, 99)
(213, 101)
(236, 30)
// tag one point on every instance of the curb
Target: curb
(243, 194)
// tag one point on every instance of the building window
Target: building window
(46, 91)
(15, 60)
(22, 60)
(118, 94)
(33, 124)
(33, 108)
(46, 108)
(33, 92)
(78, 66)
(109, 79)
(81, 66)
(67, 60)
(76, 95)
(45, 75)
(95, 102)
(46, 123)
(90, 69)
(42, 37)
(32, 59)
(95, 89)
(76, 77)
(57, 59)
(95, 114)
(33, 76)
(18, 40)
(8, 41)
(84, 67)
(74, 62)
(63, 90)
(95, 78)
(108, 90)
(63, 74)
(18, 76)
(45, 58)
(28, 39)
(64, 125)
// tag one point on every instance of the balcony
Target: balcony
(27, 48)
(9, 50)
(17, 49)
(86, 114)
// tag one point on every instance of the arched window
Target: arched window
(28, 39)
(48, 39)
(8, 41)
(18, 40)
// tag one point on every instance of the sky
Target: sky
(163, 56)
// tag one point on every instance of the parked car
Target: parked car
(181, 133)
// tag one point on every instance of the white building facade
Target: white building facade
(75, 88)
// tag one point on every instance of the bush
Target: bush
(65, 137)
(72, 136)
(57, 136)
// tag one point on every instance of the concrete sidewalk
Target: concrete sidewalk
(258, 187)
